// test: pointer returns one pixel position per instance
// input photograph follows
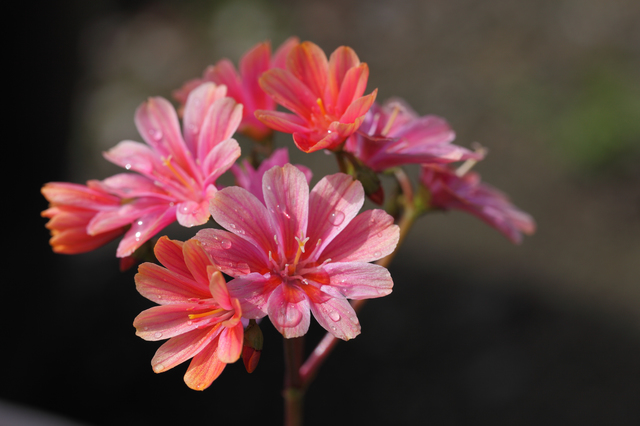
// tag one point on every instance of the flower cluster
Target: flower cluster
(291, 252)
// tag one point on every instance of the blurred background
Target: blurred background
(477, 331)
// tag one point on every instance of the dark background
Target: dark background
(477, 331)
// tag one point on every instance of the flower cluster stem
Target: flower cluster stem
(293, 387)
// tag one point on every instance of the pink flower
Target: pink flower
(394, 135)
(243, 87)
(251, 179)
(197, 314)
(325, 96)
(71, 211)
(177, 171)
(301, 252)
(467, 193)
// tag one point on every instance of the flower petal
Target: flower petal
(308, 63)
(286, 195)
(228, 249)
(288, 91)
(288, 309)
(357, 280)
(220, 123)
(180, 348)
(333, 203)
(370, 236)
(164, 322)
(282, 121)
(145, 228)
(166, 287)
(337, 317)
(204, 368)
(230, 343)
(241, 213)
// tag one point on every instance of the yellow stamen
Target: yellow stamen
(321, 105)
(205, 314)
(468, 165)
(392, 119)
(167, 162)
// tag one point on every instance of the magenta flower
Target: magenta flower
(325, 96)
(197, 314)
(243, 86)
(251, 179)
(177, 171)
(71, 211)
(394, 135)
(301, 252)
(450, 191)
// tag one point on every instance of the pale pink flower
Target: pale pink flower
(449, 191)
(393, 135)
(243, 85)
(177, 170)
(197, 314)
(301, 252)
(72, 208)
(326, 97)
(249, 178)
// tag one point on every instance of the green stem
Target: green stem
(293, 393)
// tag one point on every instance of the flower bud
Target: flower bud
(253, 341)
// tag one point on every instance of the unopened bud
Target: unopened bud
(253, 341)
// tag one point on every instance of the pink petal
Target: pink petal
(279, 59)
(255, 62)
(308, 63)
(157, 123)
(218, 289)
(204, 368)
(131, 185)
(370, 236)
(192, 213)
(230, 343)
(127, 213)
(337, 317)
(167, 287)
(134, 156)
(180, 348)
(225, 73)
(164, 322)
(197, 109)
(341, 61)
(238, 211)
(221, 122)
(286, 195)
(253, 291)
(145, 228)
(333, 203)
(358, 108)
(219, 160)
(282, 121)
(288, 309)
(357, 280)
(169, 254)
(288, 91)
(232, 254)
(352, 88)
(76, 195)
(197, 260)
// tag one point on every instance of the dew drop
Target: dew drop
(334, 315)
(226, 244)
(336, 218)
(232, 225)
(155, 134)
(377, 255)
(128, 166)
(157, 335)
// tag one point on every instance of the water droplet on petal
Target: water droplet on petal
(157, 335)
(226, 244)
(336, 218)
(127, 166)
(155, 134)
(334, 315)
(377, 255)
